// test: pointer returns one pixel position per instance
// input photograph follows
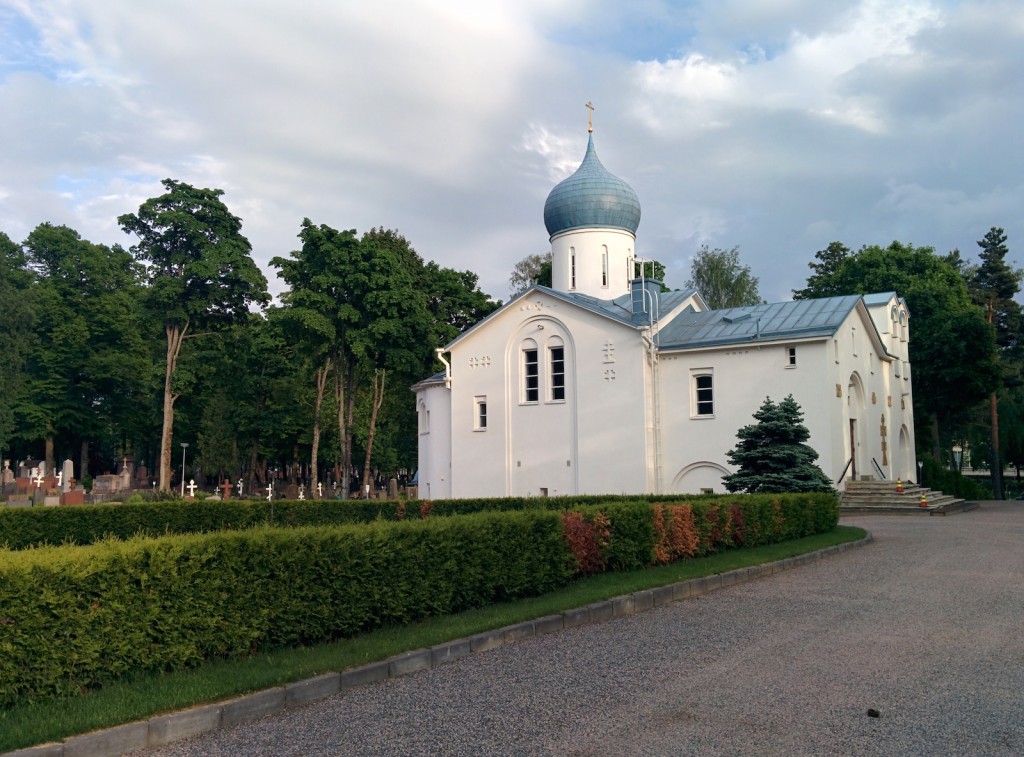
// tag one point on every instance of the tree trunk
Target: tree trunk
(321, 385)
(83, 461)
(175, 335)
(379, 377)
(345, 395)
(48, 455)
(936, 448)
(997, 463)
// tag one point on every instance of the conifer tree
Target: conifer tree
(772, 455)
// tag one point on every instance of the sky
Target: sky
(774, 126)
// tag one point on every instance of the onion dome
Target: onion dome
(592, 197)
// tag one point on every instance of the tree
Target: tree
(722, 280)
(772, 455)
(90, 363)
(822, 282)
(318, 310)
(16, 326)
(200, 274)
(533, 269)
(994, 285)
(454, 301)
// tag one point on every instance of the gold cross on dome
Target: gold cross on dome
(590, 117)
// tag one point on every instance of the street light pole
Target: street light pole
(184, 448)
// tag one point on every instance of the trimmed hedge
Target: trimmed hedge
(75, 617)
(72, 618)
(24, 527)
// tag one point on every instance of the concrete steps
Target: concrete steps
(882, 496)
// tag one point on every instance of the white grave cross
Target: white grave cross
(302, 492)
(240, 482)
(270, 490)
(191, 487)
(60, 477)
(319, 489)
(39, 476)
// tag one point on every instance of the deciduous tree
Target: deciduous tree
(533, 269)
(200, 273)
(722, 280)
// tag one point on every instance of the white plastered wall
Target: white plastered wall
(589, 248)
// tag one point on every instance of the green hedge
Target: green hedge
(24, 527)
(74, 617)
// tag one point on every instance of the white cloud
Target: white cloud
(775, 125)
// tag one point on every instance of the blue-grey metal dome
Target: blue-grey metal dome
(592, 197)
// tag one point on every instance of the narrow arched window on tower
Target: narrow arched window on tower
(604, 265)
(572, 267)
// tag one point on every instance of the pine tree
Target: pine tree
(772, 455)
(994, 285)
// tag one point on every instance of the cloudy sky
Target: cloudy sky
(773, 125)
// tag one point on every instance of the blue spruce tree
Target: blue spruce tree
(772, 455)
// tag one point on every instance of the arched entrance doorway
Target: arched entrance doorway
(855, 427)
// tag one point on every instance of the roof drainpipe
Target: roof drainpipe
(447, 367)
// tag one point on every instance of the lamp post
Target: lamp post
(184, 448)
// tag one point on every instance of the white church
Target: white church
(604, 384)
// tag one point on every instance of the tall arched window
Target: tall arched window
(604, 265)
(556, 370)
(530, 371)
(572, 267)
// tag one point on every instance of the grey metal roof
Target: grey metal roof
(592, 197)
(878, 298)
(619, 309)
(780, 320)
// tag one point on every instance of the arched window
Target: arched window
(424, 418)
(604, 265)
(530, 371)
(572, 267)
(556, 370)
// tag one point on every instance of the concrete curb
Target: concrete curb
(164, 729)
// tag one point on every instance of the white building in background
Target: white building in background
(603, 384)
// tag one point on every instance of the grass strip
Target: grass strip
(150, 694)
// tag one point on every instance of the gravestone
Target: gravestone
(73, 497)
(393, 488)
(291, 491)
(67, 470)
(106, 484)
(7, 485)
(142, 476)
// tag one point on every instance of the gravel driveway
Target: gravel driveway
(923, 626)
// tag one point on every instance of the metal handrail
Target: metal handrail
(843, 474)
(878, 468)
